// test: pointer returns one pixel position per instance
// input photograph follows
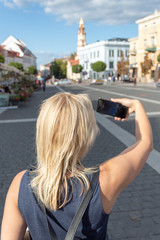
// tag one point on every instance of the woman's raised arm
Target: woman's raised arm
(120, 171)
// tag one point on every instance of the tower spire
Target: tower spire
(81, 35)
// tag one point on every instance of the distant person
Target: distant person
(44, 85)
(134, 80)
(7, 89)
(65, 131)
(1, 90)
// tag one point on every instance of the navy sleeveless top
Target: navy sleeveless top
(93, 225)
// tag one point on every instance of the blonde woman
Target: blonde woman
(66, 129)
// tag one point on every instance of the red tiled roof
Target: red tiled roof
(73, 62)
(13, 54)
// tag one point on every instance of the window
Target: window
(97, 54)
(111, 65)
(118, 53)
(90, 55)
(154, 26)
(153, 41)
(134, 59)
(111, 53)
(145, 42)
(152, 57)
(145, 28)
(134, 46)
(94, 54)
(126, 53)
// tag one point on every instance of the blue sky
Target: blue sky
(50, 27)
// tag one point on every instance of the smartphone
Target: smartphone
(111, 108)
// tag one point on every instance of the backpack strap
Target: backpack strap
(79, 214)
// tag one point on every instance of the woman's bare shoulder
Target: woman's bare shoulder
(14, 187)
(17, 179)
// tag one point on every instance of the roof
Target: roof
(22, 46)
(73, 61)
(118, 39)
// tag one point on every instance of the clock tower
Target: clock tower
(81, 36)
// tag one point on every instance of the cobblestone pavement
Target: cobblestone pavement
(136, 214)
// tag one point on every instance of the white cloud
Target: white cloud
(110, 12)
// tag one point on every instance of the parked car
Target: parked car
(127, 79)
(157, 84)
(96, 82)
(64, 82)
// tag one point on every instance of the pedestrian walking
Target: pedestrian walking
(66, 129)
(44, 85)
(134, 80)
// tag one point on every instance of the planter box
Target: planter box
(4, 100)
(14, 103)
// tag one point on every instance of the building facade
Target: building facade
(16, 51)
(147, 43)
(70, 74)
(108, 52)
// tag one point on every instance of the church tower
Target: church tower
(81, 36)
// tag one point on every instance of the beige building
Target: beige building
(148, 41)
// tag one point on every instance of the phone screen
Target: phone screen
(111, 108)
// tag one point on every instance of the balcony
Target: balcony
(133, 65)
(151, 49)
(132, 52)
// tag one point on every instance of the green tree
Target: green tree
(77, 68)
(16, 65)
(55, 69)
(31, 70)
(98, 66)
(63, 67)
(2, 60)
(158, 58)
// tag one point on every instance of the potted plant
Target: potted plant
(14, 99)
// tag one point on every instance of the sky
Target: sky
(50, 27)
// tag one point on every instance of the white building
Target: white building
(108, 52)
(23, 54)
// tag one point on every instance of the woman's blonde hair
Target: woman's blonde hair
(66, 129)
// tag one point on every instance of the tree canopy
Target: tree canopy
(16, 65)
(158, 58)
(77, 68)
(58, 68)
(2, 60)
(31, 70)
(98, 66)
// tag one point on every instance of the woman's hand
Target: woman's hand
(130, 103)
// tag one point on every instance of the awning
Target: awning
(153, 49)
(9, 68)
